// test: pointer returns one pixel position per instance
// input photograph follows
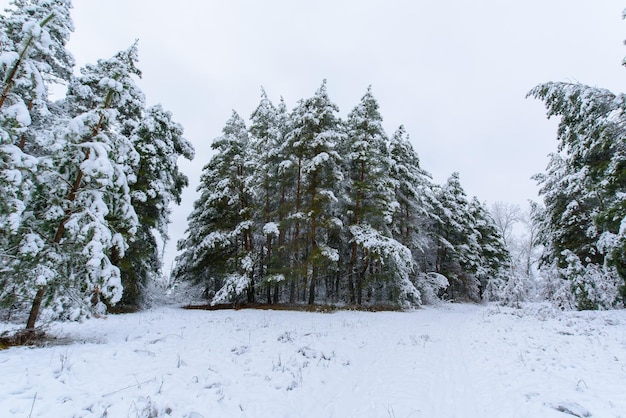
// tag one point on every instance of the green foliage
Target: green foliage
(584, 189)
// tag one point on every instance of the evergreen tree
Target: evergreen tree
(414, 214)
(266, 143)
(159, 142)
(370, 193)
(495, 261)
(33, 36)
(218, 249)
(312, 140)
(90, 211)
(334, 209)
(584, 189)
(458, 249)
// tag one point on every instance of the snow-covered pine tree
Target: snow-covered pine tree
(266, 140)
(159, 142)
(218, 248)
(370, 208)
(414, 217)
(495, 261)
(584, 189)
(413, 192)
(35, 34)
(32, 55)
(315, 131)
(458, 250)
(86, 203)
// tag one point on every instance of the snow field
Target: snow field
(447, 361)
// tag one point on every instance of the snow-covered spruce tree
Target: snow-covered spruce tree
(87, 202)
(267, 133)
(218, 248)
(159, 142)
(33, 35)
(315, 131)
(584, 191)
(370, 208)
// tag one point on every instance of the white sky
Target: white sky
(454, 72)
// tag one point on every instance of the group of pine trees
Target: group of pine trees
(303, 206)
(86, 181)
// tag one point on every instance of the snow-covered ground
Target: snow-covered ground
(447, 361)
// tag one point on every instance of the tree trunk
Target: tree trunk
(352, 287)
(296, 236)
(34, 310)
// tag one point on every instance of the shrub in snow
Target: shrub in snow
(430, 286)
(593, 286)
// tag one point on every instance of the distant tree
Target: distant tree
(506, 216)
(530, 243)
(458, 249)
(470, 250)
(414, 219)
(495, 259)
(305, 207)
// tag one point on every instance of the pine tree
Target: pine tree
(218, 249)
(495, 260)
(32, 55)
(584, 187)
(159, 142)
(458, 249)
(413, 218)
(370, 191)
(311, 142)
(86, 204)
(266, 143)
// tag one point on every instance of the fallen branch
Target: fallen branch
(129, 387)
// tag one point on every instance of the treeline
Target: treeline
(302, 206)
(86, 181)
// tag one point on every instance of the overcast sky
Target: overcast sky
(454, 72)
